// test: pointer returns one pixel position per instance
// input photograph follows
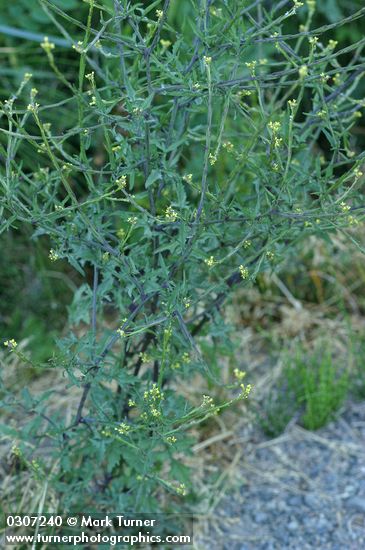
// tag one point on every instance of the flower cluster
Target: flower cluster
(357, 173)
(251, 65)
(239, 374)
(212, 159)
(228, 146)
(181, 489)
(345, 207)
(207, 402)
(122, 429)
(187, 303)
(47, 45)
(153, 398)
(154, 394)
(246, 390)
(121, 182)
(11, 344)
(165, 43)
(171, 214)
(53, 255)
(210, 261)
(244, 272)
(274, 126)
(303, 72)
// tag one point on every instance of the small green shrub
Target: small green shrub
(190, 152)
(320, 386)
(312, 386)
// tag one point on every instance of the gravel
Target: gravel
(302, 490)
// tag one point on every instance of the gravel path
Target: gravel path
(302, 490)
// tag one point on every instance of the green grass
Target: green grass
(319, 385)
(313, 384)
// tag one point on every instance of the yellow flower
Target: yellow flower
(186, 303)
(337, 79)
(344, 207)
(121, 182)
(228, 146)
(303, 72)
(47, 45)
(171, 214)
(181, 489)
(251, 65)
(207, 60)
(245, 390)
(78, 47)
(165, 43)
(212, 159)
(352, 220)
(33, 108)
(154, 394)
(11, 344)
(122, 429)
(155, 413)
(277, 142)
(209, 261)
(90, 77)
(243, 93)
(274, 126)
(332, 44)
(53, 255)
(207, 401)
(244, 272)
(121, 332)
(239, 374)
(144, 357)
(188, 178)
(357, 173)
